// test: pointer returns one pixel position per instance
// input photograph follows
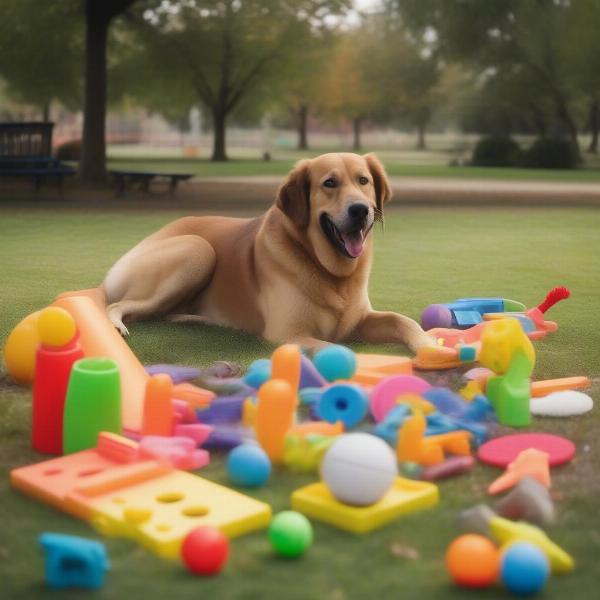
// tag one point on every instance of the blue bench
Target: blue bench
(25, 151)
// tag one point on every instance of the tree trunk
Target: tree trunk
(219, 129)
(356, 130)
(303, 127)
(98, 15)
(92, 167)
(594, 126)
(421, 145)
(563, 113)
(46, 112)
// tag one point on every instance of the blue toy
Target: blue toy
(388, 428)
(524, 569)
(335, 362)
(248, 466)
(343, 402)
(310, 395)
(73, 562)
(480, 409)
(447, 401)
(466, 312)
(258, 373)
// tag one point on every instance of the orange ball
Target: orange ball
(473, 561)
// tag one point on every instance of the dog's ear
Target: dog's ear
(383, 190)
(293, 197)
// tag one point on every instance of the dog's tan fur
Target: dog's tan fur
(277, 275)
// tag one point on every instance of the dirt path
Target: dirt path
(254, 194)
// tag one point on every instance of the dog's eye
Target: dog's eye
(330, 183)
(363, 180)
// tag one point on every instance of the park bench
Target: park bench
(144, 178)
(26, 151)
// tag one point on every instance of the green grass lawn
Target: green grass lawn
(394, 166)
(422, 257)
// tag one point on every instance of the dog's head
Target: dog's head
(333, 200)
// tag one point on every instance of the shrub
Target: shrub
(495, 152)
(69, 151)
(550, 153)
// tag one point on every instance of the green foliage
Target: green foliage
(547, 47)
(550, 153)
(41, 51)
(225, 54)
(496, 152)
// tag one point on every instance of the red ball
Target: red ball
(205, 551)
(473, 561)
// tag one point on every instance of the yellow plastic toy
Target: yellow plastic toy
(56, 326)
(406, 496)
(500, 340)
(274, 416)
(506, 349)
(124, 494)
(158, 513)
(249, 413)
(505, 531)
(414, 446)
(470, 390)
(20, 349)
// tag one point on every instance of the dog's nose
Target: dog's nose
(358, 212)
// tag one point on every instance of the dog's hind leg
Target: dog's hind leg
(156, 276)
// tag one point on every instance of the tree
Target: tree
(40, 49)
(582, 49)
(227, 49)
(345, 92)
(407, 77)
(304, 80)
(98, 16)
(536, 36)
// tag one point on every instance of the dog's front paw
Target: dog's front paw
(120, 327)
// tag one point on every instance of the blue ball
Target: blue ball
(524, 569)
(258, 373)
(343, 402)
(335, 362)
(248, 466)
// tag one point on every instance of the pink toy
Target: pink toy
(385, 394)
(500, 452)
(180, 452)
(198, 432)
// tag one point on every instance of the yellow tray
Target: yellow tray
(406, 496)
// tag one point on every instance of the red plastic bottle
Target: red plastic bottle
(52, 371)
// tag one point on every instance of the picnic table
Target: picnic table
(26, 151)
(144, 179)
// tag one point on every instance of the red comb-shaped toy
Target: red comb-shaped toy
(552, 297)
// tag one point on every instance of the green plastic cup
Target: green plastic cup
(93, 403)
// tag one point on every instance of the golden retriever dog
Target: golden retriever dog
(298, 273)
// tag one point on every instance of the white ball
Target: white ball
(565, 403)
(359, 469)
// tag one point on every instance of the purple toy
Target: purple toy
(309, 376)
(224, 409)
(177, 373)
(436, 315)
(226, 438)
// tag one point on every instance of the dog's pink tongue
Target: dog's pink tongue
(353, 243)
